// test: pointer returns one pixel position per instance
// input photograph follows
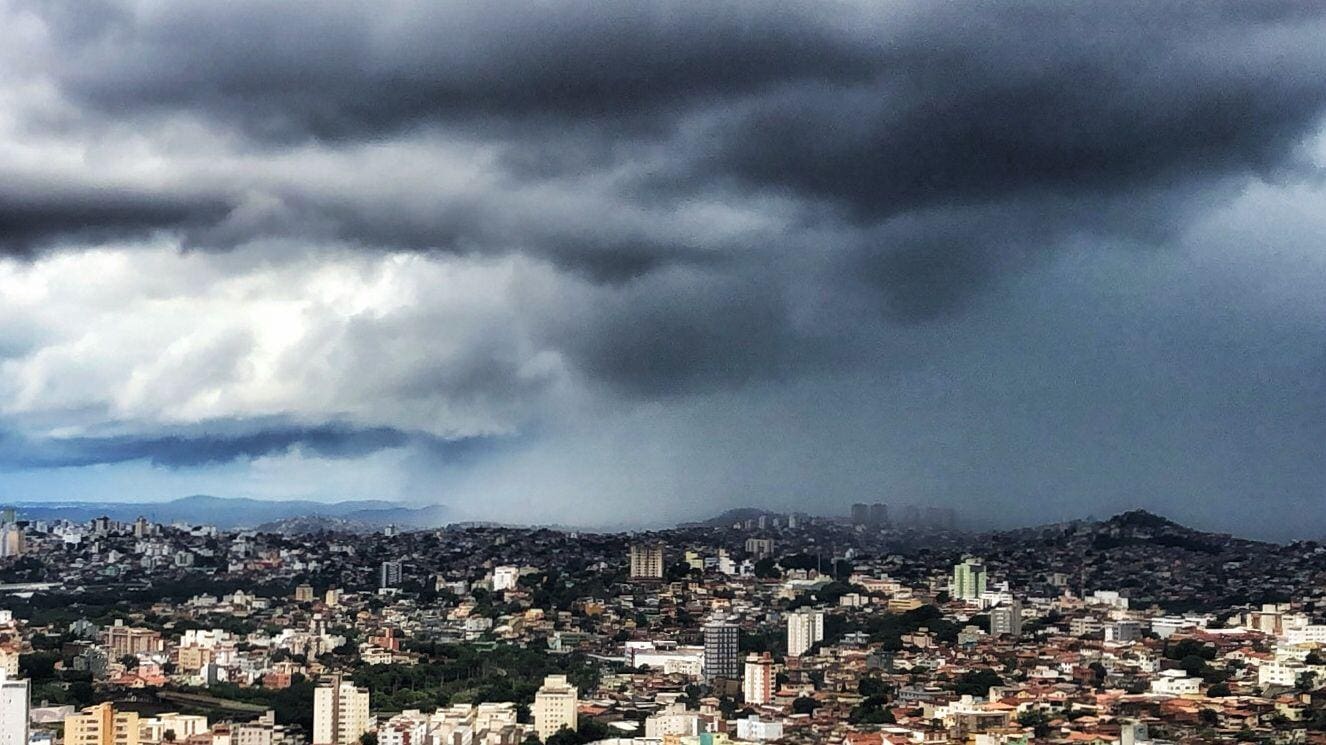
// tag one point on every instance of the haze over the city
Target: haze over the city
(630, 263)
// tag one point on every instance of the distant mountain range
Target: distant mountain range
(229, 513)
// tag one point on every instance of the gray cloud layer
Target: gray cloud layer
(659, 201)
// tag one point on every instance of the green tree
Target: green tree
(977, 682)
(872, 686)
(767, 569)
(1037, 720)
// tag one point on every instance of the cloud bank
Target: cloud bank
(647, 259)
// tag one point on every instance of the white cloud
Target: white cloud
(134, 338)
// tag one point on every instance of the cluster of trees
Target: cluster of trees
(587, 730)
(770, 568)
(976, 682)
(64, 687)
(559, 589)
(465, 674)
(293, 705)
(889, 628)
(1194, 658)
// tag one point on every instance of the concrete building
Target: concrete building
(805, 628)
(12, 542)
(860, 514)
(9, 660)
(674, 721)
(757, 685)
(304, 593)
(505, 578)
(721, 641)
(874, 515)
(1006, 619)
(647, 561)
(667, 657)
(101, 725)
(180, 726)
(758, 730)
(1123, 631)
(555, 707)
(15, 701)
(340, 712)
(123, 641)
(390, 574)
(264, 731)
(969, 580)
(1176, 683)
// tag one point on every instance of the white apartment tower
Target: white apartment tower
(340, 712)
(804, 629)
(390, 574)
(14, 705)
(555, 706)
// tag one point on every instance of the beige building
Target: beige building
(182, 726)
(646, 561)
(758, 683)
(12, 542)
(304, 594)
(263, 731)
(555, 707)
(340, 712)
(122, 641)
(101, 725)
(9, 661)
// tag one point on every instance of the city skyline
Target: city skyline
(638, 266)
(662, 372)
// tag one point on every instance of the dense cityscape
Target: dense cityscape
(662, 372)
(754, 627)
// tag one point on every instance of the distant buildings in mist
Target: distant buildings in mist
(878, 515)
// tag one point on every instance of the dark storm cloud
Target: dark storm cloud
(33, 218)
(998, 254)
(297, 69)
(916, 152)
(1077, 98)
(216, 444)
(680, 330)
(874, 110)
(601, 245)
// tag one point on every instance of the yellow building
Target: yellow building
(101, 725)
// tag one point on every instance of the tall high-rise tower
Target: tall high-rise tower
(722, 638)
(340, 712)
(804, 628)
(968, 579)
(646, 561)
(555, 706)
(15, 700)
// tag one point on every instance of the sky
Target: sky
(631, 263)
